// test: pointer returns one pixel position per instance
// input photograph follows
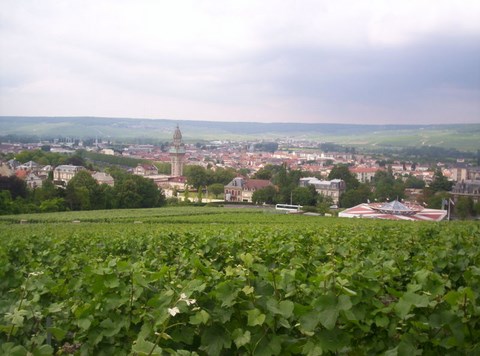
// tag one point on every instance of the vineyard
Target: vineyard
(218, 281)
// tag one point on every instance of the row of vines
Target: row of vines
(364, 288)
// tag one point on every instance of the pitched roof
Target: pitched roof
(250, 184)
(5, 170)
(364, 169)
(256, 183)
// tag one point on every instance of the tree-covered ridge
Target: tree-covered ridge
(253, 283)
(463, 137)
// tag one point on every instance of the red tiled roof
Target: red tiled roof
(256, 183)
(364, 169)
(20, 173)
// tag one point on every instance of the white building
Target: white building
(63, 173)
(33, 181)
(328, 188)
(364, 174)
(241, 189)
(145, 170)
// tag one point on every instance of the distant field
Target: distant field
(462, 136)
(224, 281)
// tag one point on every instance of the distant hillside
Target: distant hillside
(461, 136)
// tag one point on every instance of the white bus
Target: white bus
(288, 207)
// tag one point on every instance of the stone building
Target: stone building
(177, 154)
(241, 189)
(63, 173)
(328, 188)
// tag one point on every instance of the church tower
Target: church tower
(177, 154)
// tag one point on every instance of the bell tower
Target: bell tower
(177, 154)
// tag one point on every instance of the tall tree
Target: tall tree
(356, 196)
(216, 189)
(267, 195)
(440, 182)
(464, 207)
(304, 196)
(138, 192)
(342, 172)
(16, 186)
(197, 176)
(5, 202)
(414, 183)
(82, 192)
(386, 187)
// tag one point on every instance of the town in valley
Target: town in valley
(315, 177)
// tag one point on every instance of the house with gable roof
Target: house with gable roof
(33, 181)
(145, 170)
(241, 189)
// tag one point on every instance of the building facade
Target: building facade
(33, 181)
(177, 154)
(64, 173)
(364, 174)
(467, 189)
(329, 188)
(241, 189)
(145, 170)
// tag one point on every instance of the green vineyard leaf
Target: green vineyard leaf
(240, 337)
(255, 317)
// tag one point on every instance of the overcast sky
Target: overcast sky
(343, 61)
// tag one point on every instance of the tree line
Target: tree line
(81, 193)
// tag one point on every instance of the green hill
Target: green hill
(461, 136)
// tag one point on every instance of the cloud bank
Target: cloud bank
(311, 61)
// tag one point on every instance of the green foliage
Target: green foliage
(464, 208)
(163, 167)
(222, 176)
(82, 192)
(16, 186)
(196, 176)
(386, 187)
(266, 147)
(434, 200)
(5, 202)
(52, 205)
(440, 182)
(252, 283)
(414, 183)
(43, 157)
(356, 196)
(137, 192)
(304, 195)
(267, 195)
(342, 172)
(264, 173)
(112, 160)
(216, 189)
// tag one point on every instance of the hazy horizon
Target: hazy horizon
(343, 62)
(179, 121)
